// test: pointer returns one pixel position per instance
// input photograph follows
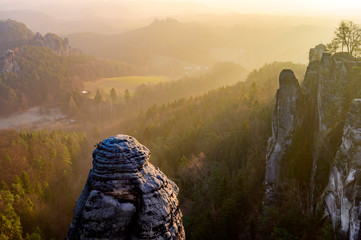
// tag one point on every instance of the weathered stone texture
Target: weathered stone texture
(285, 118)
(126, 197)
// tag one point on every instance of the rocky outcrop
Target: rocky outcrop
(321, 117)
(126, 197)
(50, 40)
(8, 63)
(14, 34)
(285, 119)
(316, 53)
(333, 78)
(343, 194)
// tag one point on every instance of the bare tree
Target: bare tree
(347, 37)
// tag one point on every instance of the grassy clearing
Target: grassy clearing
(120, 84)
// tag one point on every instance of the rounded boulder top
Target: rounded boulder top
(287, 77)
(120, 153)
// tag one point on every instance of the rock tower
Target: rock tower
(126, 197)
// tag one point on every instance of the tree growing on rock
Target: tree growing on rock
(347, 37)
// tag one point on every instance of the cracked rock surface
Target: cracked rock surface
(126, 197)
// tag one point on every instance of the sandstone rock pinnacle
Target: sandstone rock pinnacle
(126, 197)
(286, 117)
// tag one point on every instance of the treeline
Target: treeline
(220, 74)
(214, 147)
(40, 179)
(47, 78)
(112, 106)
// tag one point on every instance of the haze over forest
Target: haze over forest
(249, 107)
(247, 33)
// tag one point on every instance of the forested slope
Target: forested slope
(214, 147)
(41, 175)
(46, 77)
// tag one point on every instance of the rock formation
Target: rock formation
(317, 52)
(14, 34)
(126, 197)
(285, 119)
(343, 193)
(8, 63)
(50, 40)
(321, 106)
(319, 109)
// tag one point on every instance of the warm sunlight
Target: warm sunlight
(180, 119)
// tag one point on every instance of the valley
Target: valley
(34, 119)
(118, 123)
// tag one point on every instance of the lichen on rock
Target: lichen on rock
(126, 197)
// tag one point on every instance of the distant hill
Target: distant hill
(15, 34)
(205, 43)
(37, 69)
(43, 23)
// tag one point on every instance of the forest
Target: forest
(41, 176)
(195, 140)
(46, 77)
(206, 121)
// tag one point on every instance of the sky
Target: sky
(287, 7)
(317, 8)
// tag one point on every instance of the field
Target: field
(120, 84)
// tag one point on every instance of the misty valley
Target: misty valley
(171, 124)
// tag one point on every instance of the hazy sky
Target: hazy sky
(338, 8)
(286, 7)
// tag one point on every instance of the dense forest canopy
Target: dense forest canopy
(193, 140)
(207, 130)
(41, 176)
(46, 77)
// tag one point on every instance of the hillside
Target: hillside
(44, 70)
(46, 78)
(211, 121)
(214, 148)
(202, 43)
(37, 169)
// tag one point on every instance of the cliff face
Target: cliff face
(285, 119)
(343, 194)
(322, 117)
(126, 197)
